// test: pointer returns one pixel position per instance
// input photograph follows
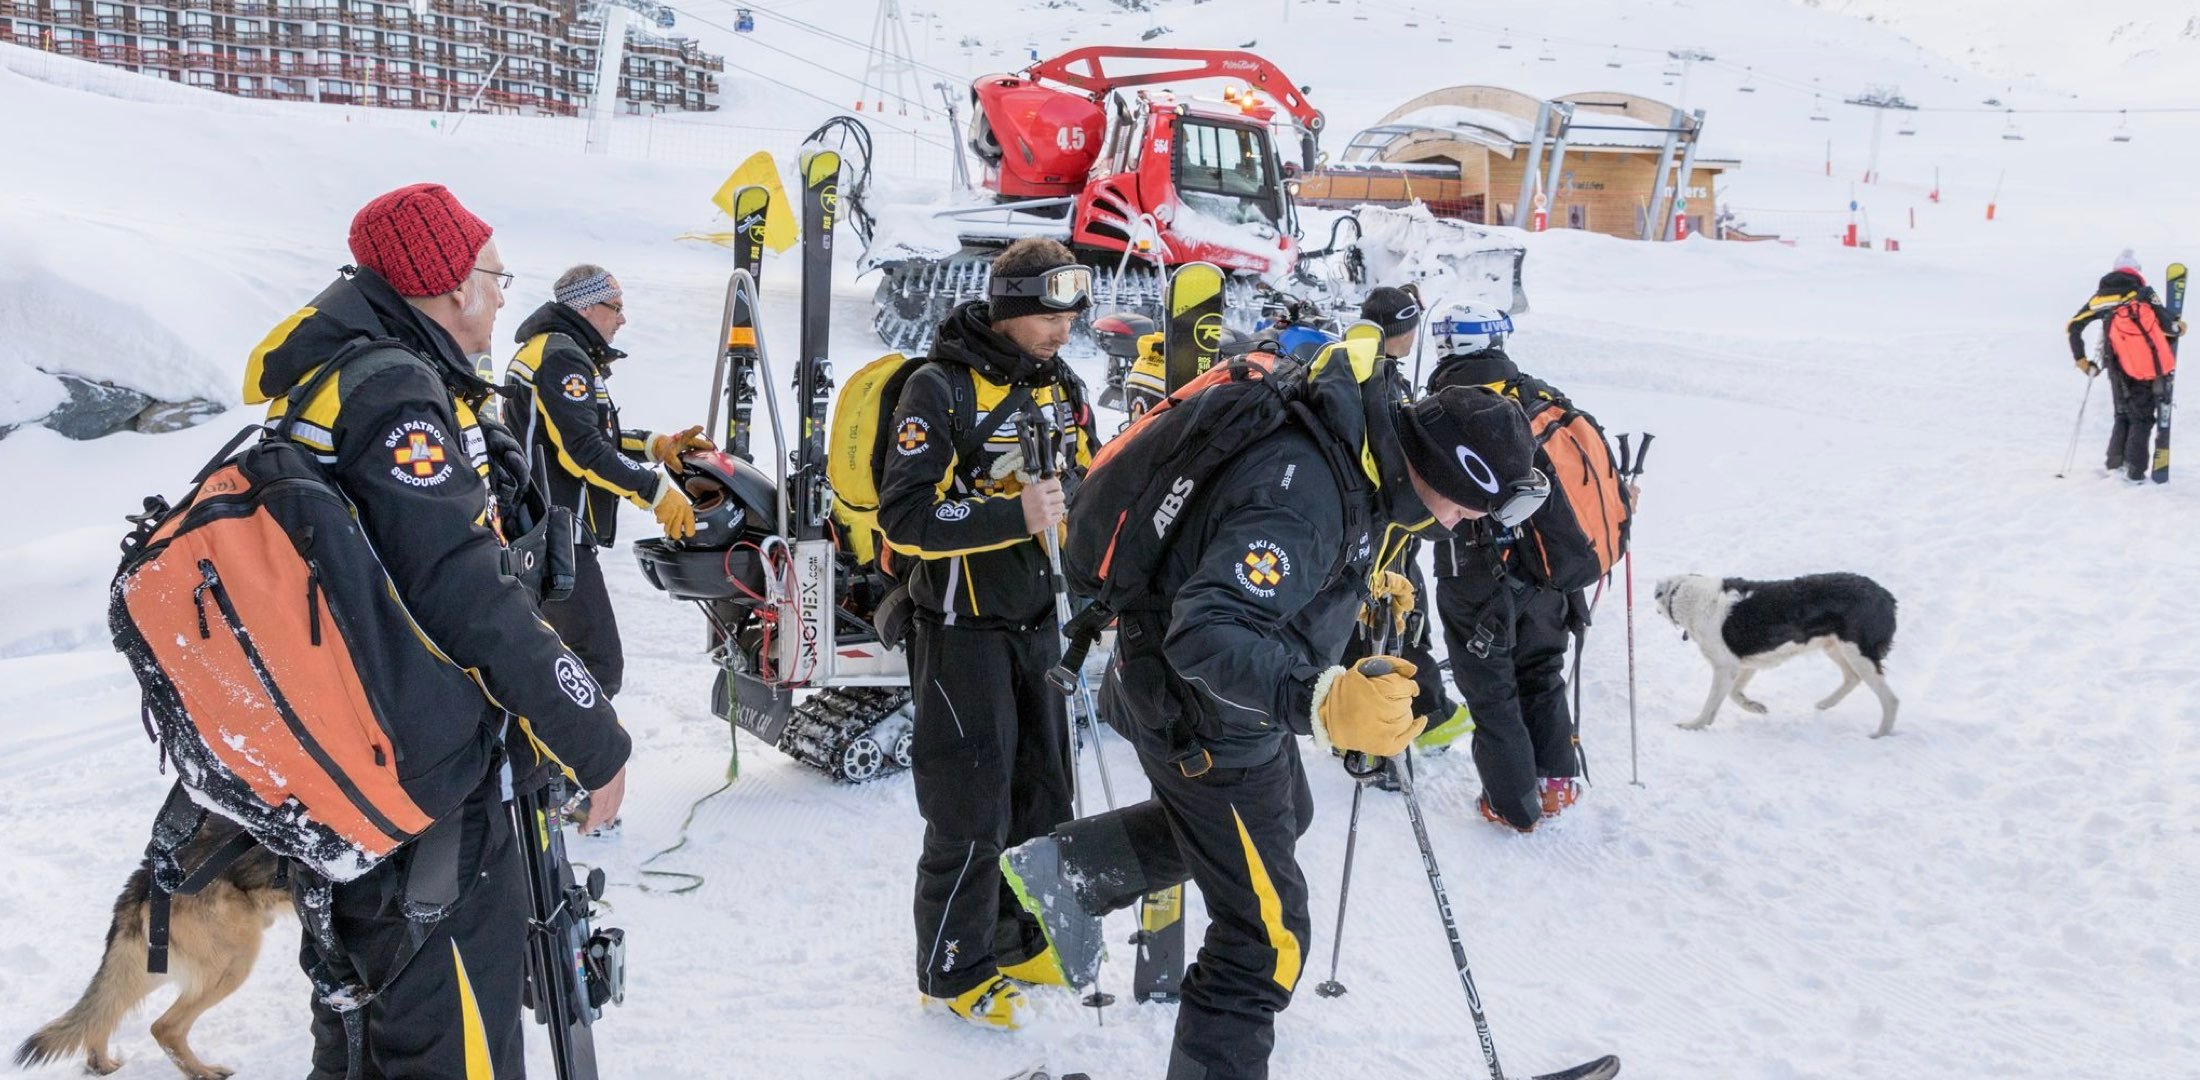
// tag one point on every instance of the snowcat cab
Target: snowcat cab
(1135, 181)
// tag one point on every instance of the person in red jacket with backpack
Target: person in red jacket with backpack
(2135, 344)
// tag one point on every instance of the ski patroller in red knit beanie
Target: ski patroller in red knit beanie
(419, 239)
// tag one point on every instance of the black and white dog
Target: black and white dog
(1744, 627)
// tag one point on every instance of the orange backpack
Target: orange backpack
(2135, 336)
(281, 673)
(1580, 533)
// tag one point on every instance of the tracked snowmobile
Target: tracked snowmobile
(788, 609)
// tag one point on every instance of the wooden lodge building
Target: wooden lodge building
(1485, 154)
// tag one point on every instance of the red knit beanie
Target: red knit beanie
(419, 239)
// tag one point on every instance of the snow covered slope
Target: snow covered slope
(2005, 889)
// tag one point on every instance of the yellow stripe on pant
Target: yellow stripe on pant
(469, 1018)
(1281, 940)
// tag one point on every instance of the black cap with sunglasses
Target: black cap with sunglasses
(1394, 309)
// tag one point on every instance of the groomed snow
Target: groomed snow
(2005, 889)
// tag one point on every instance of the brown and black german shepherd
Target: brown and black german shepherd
(214, 937)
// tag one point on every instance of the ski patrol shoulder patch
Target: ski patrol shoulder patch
(575, 388)
(1263, 568)
(420, 455)
(913, 437)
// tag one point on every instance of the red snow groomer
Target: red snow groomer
(1135, 181)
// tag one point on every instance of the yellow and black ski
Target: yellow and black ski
(814, 375)
(1191, 337)
(751, 205)
(2174, 303)
(751, 209)
(1159, 975)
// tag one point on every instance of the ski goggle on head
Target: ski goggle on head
(1521, 499)
(1469, 328)
(1064, 288)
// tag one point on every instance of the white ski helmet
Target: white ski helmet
(1467, 328)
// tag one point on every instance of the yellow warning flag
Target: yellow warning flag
(780, 231)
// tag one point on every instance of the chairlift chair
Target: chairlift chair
(2123, 129)
(1505, 42)
(1749, 80)
(744, 20)
(1546, 55)
(1612, 61)
(2012, 133)
(1909, 127)
(1818, 109)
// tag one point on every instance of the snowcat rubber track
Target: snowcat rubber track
(915, 296)
(852, 734)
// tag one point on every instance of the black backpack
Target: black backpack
(1129, 508)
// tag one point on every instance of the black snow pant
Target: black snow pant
(585, 621)
(1234, 833)
(452, 1011)
(2130, 442)
(1508, 641)
(990, 756)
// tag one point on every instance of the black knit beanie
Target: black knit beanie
(1392, 308)
(1468, 443)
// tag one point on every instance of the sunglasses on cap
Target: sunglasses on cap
(1062, 288)
(1521, 499)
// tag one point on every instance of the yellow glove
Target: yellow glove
(1368, 708)
(2088, 367)
(1392, 586)
(674, 511)
(666, 449)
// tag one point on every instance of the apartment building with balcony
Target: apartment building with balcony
(512, 56)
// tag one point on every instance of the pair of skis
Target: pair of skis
(736, 398)
(2174, 304)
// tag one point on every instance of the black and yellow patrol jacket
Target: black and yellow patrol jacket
(2117, 287)
(397, 432)
(558, 378)
(957, 529)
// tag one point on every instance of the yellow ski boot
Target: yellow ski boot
(1044, 969)
(996, 1003)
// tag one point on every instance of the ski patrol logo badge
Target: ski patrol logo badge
(952, 511)
(1263, 569)
(575, 387)
(913, 437)
(419, 454)
(574, 680)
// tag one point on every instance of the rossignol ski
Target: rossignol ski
(1192, 337)
(813, 381)
(751, 208)
(2174, 304)
(737, 337)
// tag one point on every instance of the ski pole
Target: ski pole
(1357, 766)
(1404, 778)
(1631, 470)
(1042, 440)
(2070, 457)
